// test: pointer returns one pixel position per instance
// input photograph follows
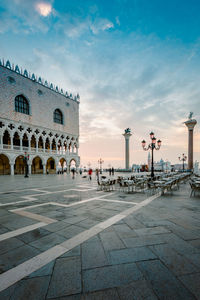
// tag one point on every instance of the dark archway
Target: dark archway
(19, 167)
(37, 167)
(4, 165)
(51, 166)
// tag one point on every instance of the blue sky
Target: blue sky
(135, 64)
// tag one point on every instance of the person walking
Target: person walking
(90, 174)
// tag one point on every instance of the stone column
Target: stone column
(29, 145)
(190, 125)
(11, 142)
(37, 140)
(29, 169)
(21, 139)
(1, 141)
(127, 135)
(12, 169)
(44, 169)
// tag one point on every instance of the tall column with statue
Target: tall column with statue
(127, 134)
(190, 123)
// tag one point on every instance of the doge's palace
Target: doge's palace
(38, 121)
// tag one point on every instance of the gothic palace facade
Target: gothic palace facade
(38, 121)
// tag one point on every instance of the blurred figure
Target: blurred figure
(90, 174)
(73, 173)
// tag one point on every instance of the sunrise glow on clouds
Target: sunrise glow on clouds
(135, 64)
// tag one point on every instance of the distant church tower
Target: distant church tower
(149, 161)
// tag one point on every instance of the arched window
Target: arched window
(21, 104)
(58, 117)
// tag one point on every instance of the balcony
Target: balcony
(36, 150)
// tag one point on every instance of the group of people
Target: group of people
(111, 171)
(90, 171)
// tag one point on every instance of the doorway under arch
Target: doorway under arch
(4, 165)
(51, 166)
(37, 167)
(19, 167)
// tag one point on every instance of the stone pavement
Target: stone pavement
(62, 239)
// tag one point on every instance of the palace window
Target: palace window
(21, 104)
(58, 117)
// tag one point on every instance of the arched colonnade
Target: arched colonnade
(37, 164)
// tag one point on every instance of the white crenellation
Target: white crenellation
(39, 80)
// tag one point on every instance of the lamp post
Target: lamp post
(26, 158)
(152, 146)
(100, 161)
(183, 159)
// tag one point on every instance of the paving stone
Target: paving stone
(132, 222)
(163, 281)
(66, 278)
(75, 219)
(151, 231)
(48, 241)
(16, 222)
(54, 227)
(87, 223)
(130, 255)
(145, 240)
(180, 245)
(74, 252)
(109, 294)
(184, 233)
(192, 282)
(177, 263)
(9, 244)
(111, 241)
(44, 271)
(16, 256)
(73, 297)
(137, 290)
(110, 276)
(93, 255)
(194, 258)
(31, 289)
(33, 235)
(124, 231)
(70, 231)
(3, 230)
(195, 243)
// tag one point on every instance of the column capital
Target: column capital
(190, 124)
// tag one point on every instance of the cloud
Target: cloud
(101, 25)
(24, 16)
(43, 8)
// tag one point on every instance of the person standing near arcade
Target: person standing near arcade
(90, 174)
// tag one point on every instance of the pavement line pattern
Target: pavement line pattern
(58, 204)
(19, 272)
(25, 229)
(118, 201)
(30, 198)
(35, 217)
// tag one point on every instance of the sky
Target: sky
(135, 63)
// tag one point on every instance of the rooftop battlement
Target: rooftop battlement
(33, 77)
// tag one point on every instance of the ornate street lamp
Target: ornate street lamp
(183, 159)
(100, 161)
(26, 158)
(152, 146)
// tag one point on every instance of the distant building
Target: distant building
(160, 165)
(37, 120)
(196, 167)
